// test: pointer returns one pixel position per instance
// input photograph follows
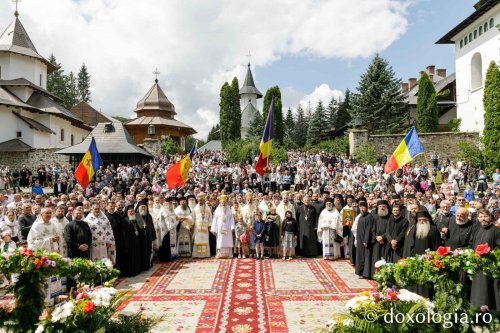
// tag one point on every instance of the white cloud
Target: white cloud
(291, 98)
(197, 45)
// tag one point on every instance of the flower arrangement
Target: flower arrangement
(433, 266)
(33, 268)
(371, 311)
(93, 309)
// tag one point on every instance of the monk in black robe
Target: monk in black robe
(395, 235)
(318, 206)
(379, 240)
(308, 225)
(149, 236)
(420, 237)
(130, 244)
(78, 236)
(485, 290)
(364, 242)
(116, 220)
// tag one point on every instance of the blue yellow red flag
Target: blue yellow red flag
(178, 173)
(262, 165)
(91, 162)
(407, 150)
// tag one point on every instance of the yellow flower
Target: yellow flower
(365, 293)
(55, 254)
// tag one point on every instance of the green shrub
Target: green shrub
(170, 147)
(366, 153)
(471, 153)
(454, 124)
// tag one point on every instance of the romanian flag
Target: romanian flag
(91, 162)
(262, 165)
(178, 173)
(405, 153)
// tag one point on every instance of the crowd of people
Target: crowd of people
(315, 204)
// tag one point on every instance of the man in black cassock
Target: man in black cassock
(485, 290)
(420, 237)
(149, 235)
(78, 236)
(130, 245)
(308, 225)
(364, 231)
(116, 220)
(395, 235)
(443, 219)
(379, 240)
(318, 206)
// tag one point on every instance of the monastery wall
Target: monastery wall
(33, 159)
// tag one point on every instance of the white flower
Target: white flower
(331, 324)
(40, 329)
(102, 296)
(380, 263)
(107, 263)
(62, 312)
(408, 296)
(356, 302)
(347, 322)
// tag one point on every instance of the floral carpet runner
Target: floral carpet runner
(244, 295)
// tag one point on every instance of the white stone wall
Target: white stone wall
(15, 66)
(470, 99)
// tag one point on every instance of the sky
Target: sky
(312, 49)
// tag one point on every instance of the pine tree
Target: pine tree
(427, 108)
(214, 133)
(316, 125)
(225, 114)
(55, 80)
(331, 113)
(84, 84)
(70, 98)
(380, 104)
(289, 124)
(491, 131)
(256, 126)
(301, 126)
(344, 111)
(278, 112)
(235, 110)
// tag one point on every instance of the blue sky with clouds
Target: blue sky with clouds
(312, 49)
(428, 21)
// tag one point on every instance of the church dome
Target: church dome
(155, 100)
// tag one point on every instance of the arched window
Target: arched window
(492, 22)
(72, 139)
(461, 43)
(465, 40)
(62, 134)
(480, 30)
(475, 34)
(485, 26)
(476, 71)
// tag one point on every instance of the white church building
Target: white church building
(31, 117)
(477, 43)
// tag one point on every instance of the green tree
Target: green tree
(289, 124)
(427, 108)
(239, 151)
(84, 84)
(225, 114)
(235, 111)
(214, 133)
(121, 119)
(380, 104)
(170, 147)
(71, 95)
(331, 113)
(256, 127)
(471, 153)
(278, 112)
(301, 126)
(316, 125)
(278, 155)
(56, 83)
(491, 132)
(366, 153)
(344, 111)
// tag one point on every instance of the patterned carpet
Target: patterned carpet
(244, 295)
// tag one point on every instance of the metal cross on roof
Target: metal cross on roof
(156, 73)
(16, 1)
(249, 55)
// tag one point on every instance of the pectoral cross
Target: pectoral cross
(16, 1)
